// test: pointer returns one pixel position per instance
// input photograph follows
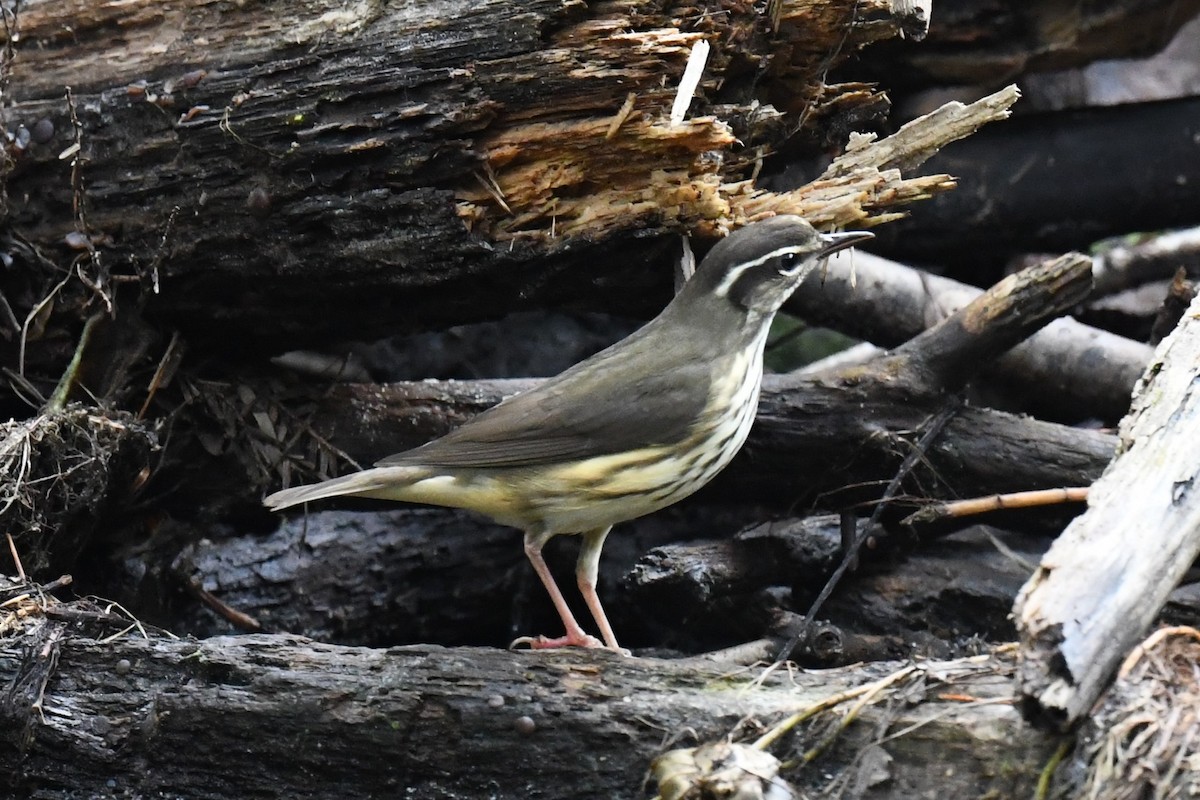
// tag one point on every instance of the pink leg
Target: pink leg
(586, 570)
(575, 635)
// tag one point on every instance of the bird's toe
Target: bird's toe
(546, 643)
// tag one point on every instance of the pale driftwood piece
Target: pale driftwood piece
(914, 17)
(1108, 575)
(920, 139)
(278, 716)
(1125, 265)
(1067, 365)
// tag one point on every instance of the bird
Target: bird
(631, 430)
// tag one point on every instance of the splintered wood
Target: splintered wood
(633, 160)
(571, 178)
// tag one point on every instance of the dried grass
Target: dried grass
(274, 442)
(1143, 741)
(57, 470)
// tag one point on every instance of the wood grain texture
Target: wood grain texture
(424, 164)
(280, 716)
(1108, 575)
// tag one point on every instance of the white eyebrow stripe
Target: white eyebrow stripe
(731, 277)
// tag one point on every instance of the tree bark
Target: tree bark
(424, 165)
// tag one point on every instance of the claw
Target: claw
(543, 643)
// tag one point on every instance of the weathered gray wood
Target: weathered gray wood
(1107, 577)
(1072, 370)
(1128, 264)
(278, 716)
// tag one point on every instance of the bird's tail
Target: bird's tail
(368, 483)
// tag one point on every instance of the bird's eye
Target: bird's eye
(787, 262)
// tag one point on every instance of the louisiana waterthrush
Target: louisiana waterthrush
(629, 431)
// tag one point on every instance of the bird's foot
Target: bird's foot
(570, 640)
(544, 643)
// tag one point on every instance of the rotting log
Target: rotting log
(157, 716)
(423, 164)
(895, 605)
(1107, 577)
(394, 576)
(443, 577)
(809, 441)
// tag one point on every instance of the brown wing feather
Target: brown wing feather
(600, 406)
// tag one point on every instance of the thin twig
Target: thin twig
(62, 392)
(12, 548)
(33, 312)
(934, 429)
(169, 360)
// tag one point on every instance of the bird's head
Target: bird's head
(756, 268)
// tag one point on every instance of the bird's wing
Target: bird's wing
(601, 406)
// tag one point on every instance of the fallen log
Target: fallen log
(281, 716)
(1043, 167)
(978, 42)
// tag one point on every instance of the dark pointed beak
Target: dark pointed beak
(840, 241)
